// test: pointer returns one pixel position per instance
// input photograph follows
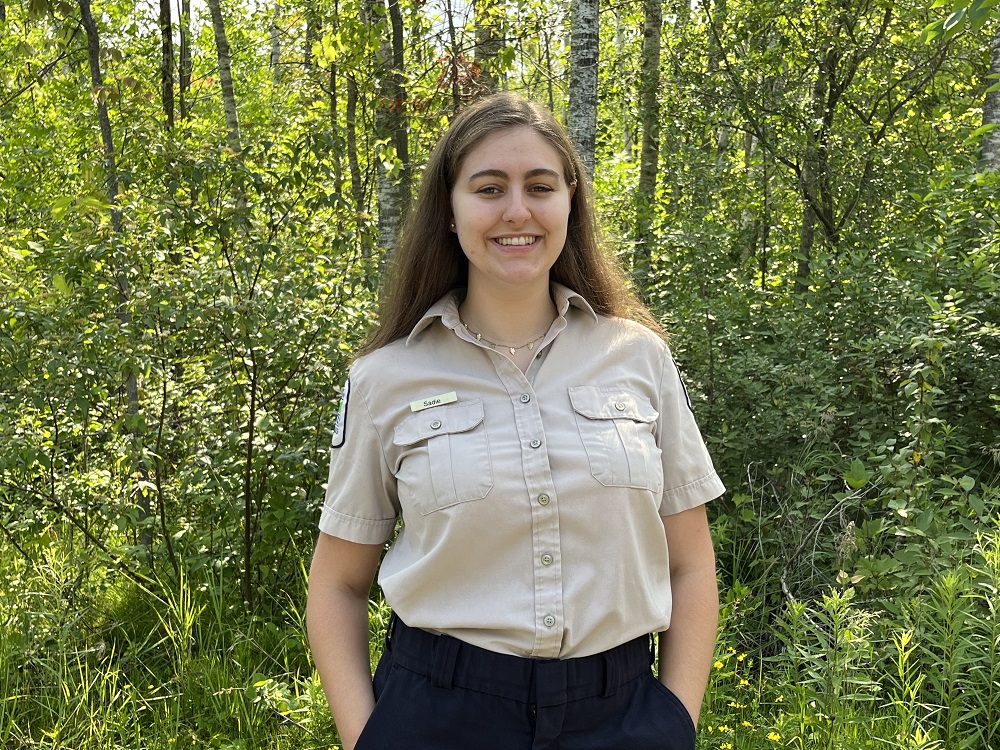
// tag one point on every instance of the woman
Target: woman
(518, 414)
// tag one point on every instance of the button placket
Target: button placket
(545, 537)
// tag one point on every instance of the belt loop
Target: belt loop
(390, 629)
(612, 673)
(445, 656)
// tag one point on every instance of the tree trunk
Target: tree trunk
(583, 58)
(453, 55)
(649, 114)
(111, 169)
(390, 121)
(489, 41)
(226, 76)
(275, 45)
(167, 62)
(352, 143)
(990, 147)
(184, 69)
(313, 26)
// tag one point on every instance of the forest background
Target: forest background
(196, 206)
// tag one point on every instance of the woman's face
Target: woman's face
(511, 207)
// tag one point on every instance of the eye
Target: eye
(489, 190)
(541, 188)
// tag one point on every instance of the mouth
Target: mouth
(520, 241)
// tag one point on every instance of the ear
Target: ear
(572, 189)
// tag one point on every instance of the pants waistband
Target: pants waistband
(450, 662)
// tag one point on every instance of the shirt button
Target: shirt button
(543, 499)
(620, 406)
(535, 443)
(546, 559)
(525, 398)
(436, 424)
(549, 621)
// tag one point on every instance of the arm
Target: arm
(687, 647)
(337, 622)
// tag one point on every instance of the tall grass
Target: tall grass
(88, 660)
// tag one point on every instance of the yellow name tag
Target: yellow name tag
(427, 403)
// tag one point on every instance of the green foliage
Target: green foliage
(845, 372)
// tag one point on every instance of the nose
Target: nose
(516, 212)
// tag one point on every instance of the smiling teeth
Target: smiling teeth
(515, 240)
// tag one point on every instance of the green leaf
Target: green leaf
(61, 285)
(967, 483)
(858, 476)
(954, 19)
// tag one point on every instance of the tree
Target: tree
(489, 15)
(390, 121)
(649, 117)
(584, 46)
(226, 77)
(167, 62)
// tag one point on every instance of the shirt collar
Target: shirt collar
(446, 308)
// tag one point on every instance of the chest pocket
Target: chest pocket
(616, 427)
(446, 457)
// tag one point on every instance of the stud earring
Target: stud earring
(453, 226)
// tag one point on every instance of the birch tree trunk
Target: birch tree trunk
(990, 147)
(275, 33)
(167, 62)
(583, 58)
(489, 15)
(649, 113)
(226, 76)
(124, 294)
(390, 121)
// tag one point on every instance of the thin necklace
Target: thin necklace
(493, 344)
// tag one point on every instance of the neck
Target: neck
(513, 317)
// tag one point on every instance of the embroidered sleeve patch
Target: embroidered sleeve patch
(340, 426)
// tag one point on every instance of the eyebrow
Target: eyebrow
(538, 172)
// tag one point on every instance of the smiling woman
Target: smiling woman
(511, 207)
(536, 441)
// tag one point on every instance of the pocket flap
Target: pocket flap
(441, 420)
(595, 402)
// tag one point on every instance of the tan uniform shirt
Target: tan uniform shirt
(530, 502)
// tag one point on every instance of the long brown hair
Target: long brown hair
(428, 260)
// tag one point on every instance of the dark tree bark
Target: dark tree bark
(167, 62)
(649, 114)
(583, 58)
(184, 68)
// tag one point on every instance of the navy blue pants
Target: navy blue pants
(434, 692)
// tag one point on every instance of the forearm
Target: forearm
(337, 622)
(687, 648)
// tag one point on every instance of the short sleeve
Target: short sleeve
(360, 504)
(689, 477)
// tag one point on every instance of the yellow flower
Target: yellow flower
(719, 665)
(741, 657)
(773, 736)
(746, 723)
(726, 746)
(743, 683)
(780, 698)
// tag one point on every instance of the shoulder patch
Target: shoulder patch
(684, 388)
(340, 426)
